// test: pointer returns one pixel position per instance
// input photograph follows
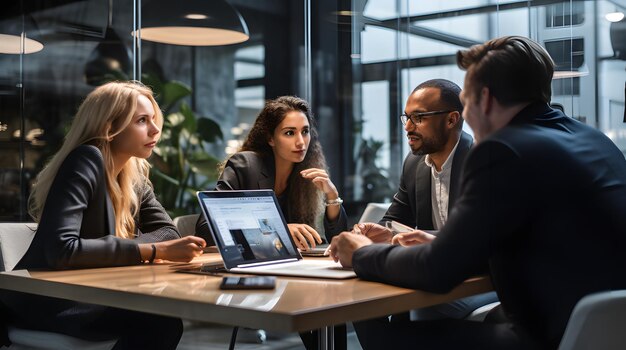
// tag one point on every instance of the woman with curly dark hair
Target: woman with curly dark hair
(282, 152)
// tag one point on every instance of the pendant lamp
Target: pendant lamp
(13, 30)
(192, 23)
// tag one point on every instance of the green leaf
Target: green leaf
(161, 175)
(189, 122)
(209, 130)
(173, 91)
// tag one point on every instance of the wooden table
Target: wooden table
(297, 304)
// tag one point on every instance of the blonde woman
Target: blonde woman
(96, 208)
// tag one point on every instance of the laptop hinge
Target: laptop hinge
(268, 263)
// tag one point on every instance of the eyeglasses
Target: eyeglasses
(416, 118)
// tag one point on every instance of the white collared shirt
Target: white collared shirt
(440, 188)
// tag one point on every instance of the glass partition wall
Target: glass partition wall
(398, 44)
(356, 61)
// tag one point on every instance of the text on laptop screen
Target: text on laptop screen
(250, 228)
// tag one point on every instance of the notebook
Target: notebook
(252, 236)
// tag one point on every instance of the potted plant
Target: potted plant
(181, 161)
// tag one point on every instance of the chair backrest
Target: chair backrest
(15, 238)
(374, 212)
(597, 322)
(186, 224)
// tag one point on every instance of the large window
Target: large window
(403, 43)
(356, 61)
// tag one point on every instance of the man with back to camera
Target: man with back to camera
(429, 187)
(542, 204)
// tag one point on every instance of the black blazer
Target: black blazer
(248, 170)
(412, 204)
(543, 203)
(77, 230)
(77, 225)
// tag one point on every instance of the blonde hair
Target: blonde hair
(104, 114)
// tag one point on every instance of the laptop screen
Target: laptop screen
(248, 226)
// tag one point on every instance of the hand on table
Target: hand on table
(343, 246)
(181, 249)
(416, 237)
(304, 236)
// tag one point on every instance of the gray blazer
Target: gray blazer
(248, 170)
(412, 203)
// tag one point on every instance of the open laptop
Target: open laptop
(252, 236)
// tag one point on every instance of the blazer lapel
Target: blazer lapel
(457, 168)
(266, 175)
(424, 215)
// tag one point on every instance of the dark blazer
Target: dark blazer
(248, 170)
(77, 225)
(412, 204)
(543, 203)
(77, 230)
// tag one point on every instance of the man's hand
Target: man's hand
(412, 238)
(343, 246)
(304, 235)
(375, 232)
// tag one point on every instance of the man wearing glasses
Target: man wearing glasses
(428, 189)
(542, 209)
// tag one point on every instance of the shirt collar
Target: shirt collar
(448, 163)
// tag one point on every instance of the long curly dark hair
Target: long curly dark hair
(305, 200)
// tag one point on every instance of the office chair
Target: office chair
(374, 212)
(15, 238)
(597, 322)
(186, 224)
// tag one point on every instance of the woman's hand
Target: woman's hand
(412, 238)
(304, 235)
(322, 181)
(181, 249)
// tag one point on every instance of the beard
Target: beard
(431, 144)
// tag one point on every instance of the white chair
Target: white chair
(186, 224)
(15, 238)
(374, 212)
(597, 322)
(479, 314)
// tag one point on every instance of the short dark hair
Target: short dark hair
(515, 69)
(449, 94)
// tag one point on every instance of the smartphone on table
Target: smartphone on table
(319, 250)
(253, 282)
